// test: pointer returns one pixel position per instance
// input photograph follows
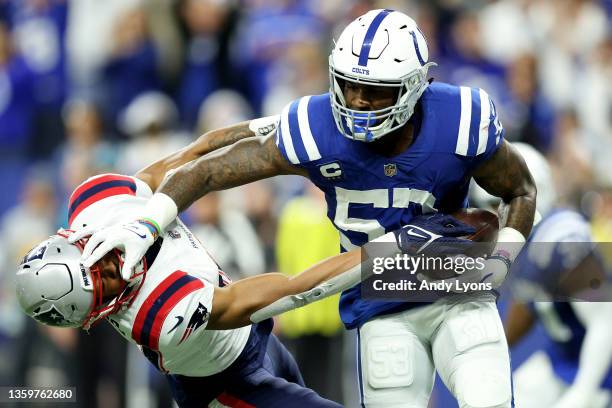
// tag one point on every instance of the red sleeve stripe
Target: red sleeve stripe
(98, 189)
(150, 318)
(167, 307)
(233, 402)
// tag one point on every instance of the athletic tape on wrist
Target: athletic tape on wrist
(160, 210)
(509, 243)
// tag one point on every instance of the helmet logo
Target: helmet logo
(36, 253)
(390, 169)
(51, 317)
(364, 54)
(363, 71)
(416, 47)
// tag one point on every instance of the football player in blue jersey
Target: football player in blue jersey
(385, 145)
(574, 369)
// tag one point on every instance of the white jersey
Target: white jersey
(168, 316)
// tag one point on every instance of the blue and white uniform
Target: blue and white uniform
(456, 129)
(557, 244)
(401, 345)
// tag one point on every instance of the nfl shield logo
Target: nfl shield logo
(390, 170)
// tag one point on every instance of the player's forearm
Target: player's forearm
(208, 142)
(235, 304)
(519, 212)
(243, 162)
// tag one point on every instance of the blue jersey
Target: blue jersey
(562, 240)
(456, 129)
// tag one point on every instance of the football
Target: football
(485, 222)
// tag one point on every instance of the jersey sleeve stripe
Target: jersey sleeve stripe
(192, 285)
(148, 303)
(474, 123)
(230, 401)
(497, 129)
(98, 192)
(296, 132)
(151, 315)
(485, 119)
(309, 143)
(463, 136)
(286, 136)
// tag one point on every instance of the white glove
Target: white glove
(494, 272)
(575, 397)
(133, 239)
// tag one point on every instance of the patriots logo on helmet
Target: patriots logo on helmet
(198, 318)
(52, 317)
(35, 253)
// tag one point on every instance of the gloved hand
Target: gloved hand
(434, 235)
(133, 239)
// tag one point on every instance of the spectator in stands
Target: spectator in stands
(132, 68)
(151, 122)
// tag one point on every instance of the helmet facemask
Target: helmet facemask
(367, 126)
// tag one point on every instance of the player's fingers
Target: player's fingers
(102, 249)
(80, 234)
(95, 240)
(128, 267)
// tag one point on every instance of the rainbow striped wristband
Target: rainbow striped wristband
(152, 226)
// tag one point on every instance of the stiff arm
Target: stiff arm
(234, 305)
(155, 173)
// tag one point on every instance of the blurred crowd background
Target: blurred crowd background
(91, 86)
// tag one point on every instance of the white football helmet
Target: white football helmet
(54, 287)
(380, 48)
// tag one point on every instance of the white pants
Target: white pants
(536, 385)
(464, 342)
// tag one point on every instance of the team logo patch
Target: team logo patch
(390, 169)
(198, 318)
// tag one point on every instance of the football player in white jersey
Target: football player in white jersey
(181, 310)
(386, 145)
